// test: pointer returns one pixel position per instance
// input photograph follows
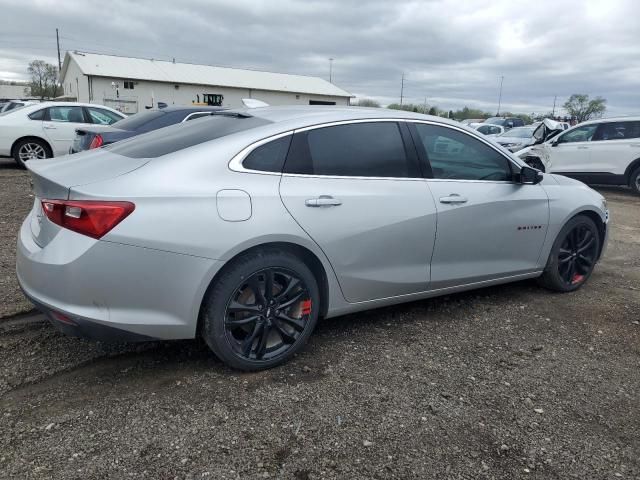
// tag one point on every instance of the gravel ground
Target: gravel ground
(15, 203)
(508, 382)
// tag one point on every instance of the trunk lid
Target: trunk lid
(52, 179)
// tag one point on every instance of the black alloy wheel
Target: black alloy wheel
(577, 254)
(267, 314)
(573, 256)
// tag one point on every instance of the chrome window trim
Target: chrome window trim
(192, 114)
(235, 164)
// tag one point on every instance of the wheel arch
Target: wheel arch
(600, 225)
(303, 253)
(630, 169)
(30, 137)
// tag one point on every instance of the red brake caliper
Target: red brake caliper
(577, 278)
(305, 307)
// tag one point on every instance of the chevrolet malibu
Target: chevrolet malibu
(246, 227)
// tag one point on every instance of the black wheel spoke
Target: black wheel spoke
(262, 343)
(254, 284)
(584, 260)
(292, 300)
(294, 322)
(285, 292)
(236, 307)
(241, 322)
(247, 344)
(587, 246)
(268, 284)
(586, 238)
(284, 335)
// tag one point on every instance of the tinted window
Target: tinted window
(579, 134)
(169, 118)
(617, 131)
(361, 150)
(37, 115)
(183, 135)
(269, 157)
(66, 114)
(102, 116)
(456, 155)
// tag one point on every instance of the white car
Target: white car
(47, 129)
(517, 138)
(605, 152)
(487, 129)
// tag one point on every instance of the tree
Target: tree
(583, 109)
(467, 112)
(433, 111)
(409, 107)
(366, 102)
(44, 78)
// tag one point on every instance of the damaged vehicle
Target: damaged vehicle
(603, 152)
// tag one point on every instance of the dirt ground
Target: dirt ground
(502, 383)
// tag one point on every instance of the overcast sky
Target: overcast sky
(451, 52)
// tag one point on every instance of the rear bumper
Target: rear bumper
(113, 291)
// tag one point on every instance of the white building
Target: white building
(131, 84)
(15, 91)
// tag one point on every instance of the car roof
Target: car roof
(186, 108)
(304, 115)
(629, 118)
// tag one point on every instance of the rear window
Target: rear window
(183, 135)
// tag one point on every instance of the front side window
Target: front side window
(486, 129)
(374, 149)
(37, 115)
(456, 155)
(103, 117)
(268, 157)
(66, 114)
(579, 134)
(617, 131)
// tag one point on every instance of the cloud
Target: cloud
(451, 52)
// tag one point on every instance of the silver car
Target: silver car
(516, 138)
(246, 227)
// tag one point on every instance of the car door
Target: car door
(489, 226)
(356, 189)
(614, 146)
(60, 126)
(571, 151)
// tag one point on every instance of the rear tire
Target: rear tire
(634, 181)
(573, 256)
(261, 310)
(30, 149)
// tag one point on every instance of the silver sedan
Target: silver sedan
(247, 227)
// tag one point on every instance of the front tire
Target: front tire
(261, 310)
(30, 149)
(573, 256)
(634, 181)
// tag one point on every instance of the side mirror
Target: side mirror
(530, 176)
(554, 143)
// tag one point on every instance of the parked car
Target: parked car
(487, 129)
(469, 121)
(246, 227)
(605, 151)
(516, 138)
(90, 137)
(506, 122)
(13, 104)
(45, 130)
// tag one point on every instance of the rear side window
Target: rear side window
(37, 115)
(373, 149)
(455, 155)
(183, 135)
(617, 131)
(101, 116)
(70, 114)
(269, 157)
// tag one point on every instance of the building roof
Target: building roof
(186, 73)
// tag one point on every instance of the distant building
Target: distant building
(131, 84)
(15, 91)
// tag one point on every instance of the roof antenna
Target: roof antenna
(174, 59)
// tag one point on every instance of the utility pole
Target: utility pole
(331, 70)
(553, 113)
(59, 62)
(425, 106)
(402, 89)
(500, 96)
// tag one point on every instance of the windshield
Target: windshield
(495, 121)
(11, 110)
(519, 132)
(134, 122)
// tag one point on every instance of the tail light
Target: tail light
(88, 217)
(96, 142)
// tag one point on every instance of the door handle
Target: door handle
(583, 148)
(634, 144)
(453, 198)
(322, 201)
(49, 127)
